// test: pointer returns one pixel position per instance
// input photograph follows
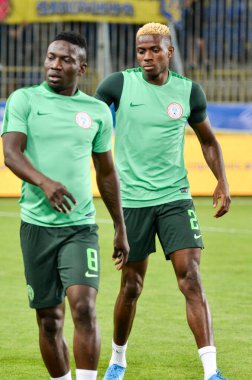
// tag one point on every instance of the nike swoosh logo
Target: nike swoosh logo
(87, 274)
(136, 105)
(197, 236)
(43, 113)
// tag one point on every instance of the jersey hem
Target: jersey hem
(69, 224)
(152, 202)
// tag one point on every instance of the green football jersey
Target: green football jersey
(62, 132)
(150, 126)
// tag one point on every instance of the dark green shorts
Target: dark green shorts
(56, 258)
(175, 224)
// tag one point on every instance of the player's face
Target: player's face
(153, 55)
(64, 64)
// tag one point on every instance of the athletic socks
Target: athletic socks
(208, 358)
(118, 355)
(81, 374)
(86, 374)
(67, 376)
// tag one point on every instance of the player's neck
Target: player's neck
(159, 79)
(70, 91)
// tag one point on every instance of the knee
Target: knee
(190, 283)
(83, 313)
(132, 287)
(51, 324)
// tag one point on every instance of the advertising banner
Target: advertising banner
(233, 127)
(120, 11)
(237, 151)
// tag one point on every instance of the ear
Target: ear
(83, 67)
(170, 51)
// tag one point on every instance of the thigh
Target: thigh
(39, 248)
(79, 257)
(178, 227)
(186, 261)
(141, 231)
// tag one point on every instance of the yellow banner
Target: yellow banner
(237, 151)
(111, 11)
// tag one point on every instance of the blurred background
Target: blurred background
(212, 42)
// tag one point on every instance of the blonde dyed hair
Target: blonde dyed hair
(154, 28)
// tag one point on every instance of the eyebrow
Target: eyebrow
(149, 47)
(62, 56)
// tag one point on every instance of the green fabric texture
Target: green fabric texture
(149, 144)
(62, 131)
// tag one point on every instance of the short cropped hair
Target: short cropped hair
(154, 28)
(73, 38)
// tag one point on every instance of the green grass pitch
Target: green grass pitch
(161, 346)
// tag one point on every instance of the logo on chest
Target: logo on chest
(174, 110)
(83, 120)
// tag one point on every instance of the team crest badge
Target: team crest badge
(83, 120)
(30, 292)
(4, 9)
(175, 110)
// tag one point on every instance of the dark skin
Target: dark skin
(65, 63)
(153, 54)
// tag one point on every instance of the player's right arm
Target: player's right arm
(110, 89)
(14, 144)
(211, 149)
(14, 136)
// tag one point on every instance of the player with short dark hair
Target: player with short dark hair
(49, 133)
(152, 107)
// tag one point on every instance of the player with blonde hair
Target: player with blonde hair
(152, 106)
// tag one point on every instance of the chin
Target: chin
(55, 86)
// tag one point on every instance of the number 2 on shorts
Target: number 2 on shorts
(193, 219)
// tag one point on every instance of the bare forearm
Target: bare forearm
(110, 192)
(18, 163)
(214, 159)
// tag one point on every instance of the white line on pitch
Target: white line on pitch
(9, 214)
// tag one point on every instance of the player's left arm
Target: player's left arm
(211, 150)
(108, 184)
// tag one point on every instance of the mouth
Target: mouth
(54, 77)
(148, 67)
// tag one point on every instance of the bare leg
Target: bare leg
(52, 343)
(125, 307)
(186, 264)
(86, 333)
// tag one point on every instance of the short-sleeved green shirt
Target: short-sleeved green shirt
(150, 126)
(62, 132)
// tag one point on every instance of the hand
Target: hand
(121, 248)
(221, 192)
(57, 195)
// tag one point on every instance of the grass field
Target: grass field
(161, 346)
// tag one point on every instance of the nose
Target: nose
(148, 55)
(56, 64)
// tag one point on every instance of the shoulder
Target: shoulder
(197, 89)
(198, 96)
(112, 79)
(95, 106)
(20, 93)
(179, 77)
(21, 99)
(110, 89)
(132, 71)
(180, 82)
(198, 104)
(24, 93)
